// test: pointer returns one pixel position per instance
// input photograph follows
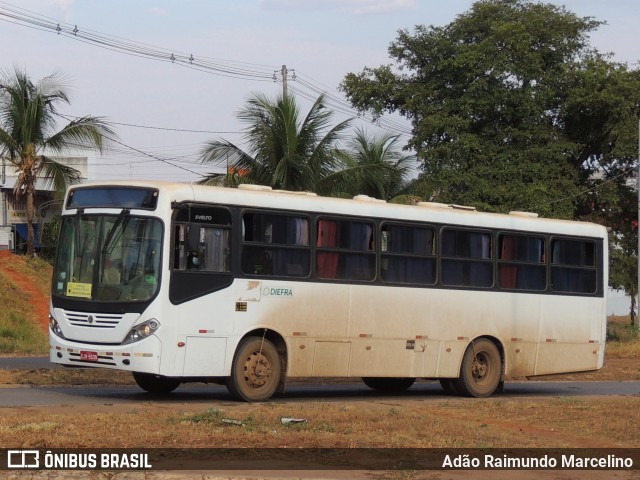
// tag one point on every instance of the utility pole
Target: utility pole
(284, 72)
(637, 318)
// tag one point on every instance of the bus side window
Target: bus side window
(466, 258)
(345, 250)
(573, 268)
(275, 244)
(216, 249)
(327, 262)
(202, 248)
(194, 246)
(521, 262)
(408, 254)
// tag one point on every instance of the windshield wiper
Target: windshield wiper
(122, 219)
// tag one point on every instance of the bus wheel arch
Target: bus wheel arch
(481, 369)
(259, 365)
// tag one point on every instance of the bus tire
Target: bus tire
(153, 383)
(256, 370)
(449, 386)
(481, 370)
(389, 384)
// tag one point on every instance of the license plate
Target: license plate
(88, 356)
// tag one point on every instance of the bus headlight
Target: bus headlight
(142, 331)
(55, 328)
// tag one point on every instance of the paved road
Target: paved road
(26, 363)
(212, 394)
(91, 395)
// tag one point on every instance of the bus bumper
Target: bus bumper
(142, 356)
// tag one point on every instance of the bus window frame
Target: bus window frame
(243, 244)
(501, 262)
(188, 284)
(467, 260)
(596, 268)
(332, 251)
(432, 256)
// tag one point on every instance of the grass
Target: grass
(414, 423)
(17, 329)
(622, 337)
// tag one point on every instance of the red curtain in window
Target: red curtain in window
(327, 262)
(508, 273)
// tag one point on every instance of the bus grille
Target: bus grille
(93, 320)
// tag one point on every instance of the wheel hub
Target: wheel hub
(257, 370)
(480, 367)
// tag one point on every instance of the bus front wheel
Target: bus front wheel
(155, 383)
(481, 370)
(256, 370)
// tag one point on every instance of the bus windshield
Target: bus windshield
(108, 258)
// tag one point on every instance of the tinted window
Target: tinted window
(573, 266)
(521, 263)
(204, 244)
(466, 258)
(113, 197)
(345, 250)
(407, 254)
(275, 245)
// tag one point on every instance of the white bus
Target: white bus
(252, 286)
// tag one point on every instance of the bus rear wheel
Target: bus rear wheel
(449, 386)
(256, 370)
(481, 370)
(388, 384)
(155, 383)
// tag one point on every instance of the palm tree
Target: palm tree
(28, 118)
(372, 165)
(284, 151)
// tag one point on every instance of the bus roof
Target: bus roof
(361, 205)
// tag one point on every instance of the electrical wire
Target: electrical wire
(226, 68)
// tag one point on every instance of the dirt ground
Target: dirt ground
(39, 301)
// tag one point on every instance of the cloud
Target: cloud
(354, 7)
(63, 4)
(160, 12)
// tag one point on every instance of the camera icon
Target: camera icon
(23, 459)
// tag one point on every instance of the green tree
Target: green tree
(28, 135)
(284, 150)
(510, 106)
(372, 165)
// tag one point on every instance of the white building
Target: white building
(13, 214)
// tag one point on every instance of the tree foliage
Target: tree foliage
(284, 150)
(372, 165)
(28, 135)
(510, 106)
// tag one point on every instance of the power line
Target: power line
(226, 68)
(169, 129)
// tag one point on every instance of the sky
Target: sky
(211, 55)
